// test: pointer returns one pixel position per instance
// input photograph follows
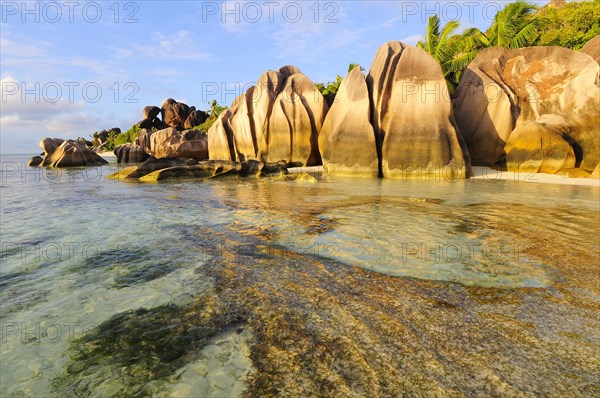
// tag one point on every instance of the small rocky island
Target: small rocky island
(532, 109)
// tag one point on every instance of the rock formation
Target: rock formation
(347, 139)
(68, 153)
(278, 119)
(130, 153)
(592, 48)
(548, 97)
(171, 143)
(396, 122)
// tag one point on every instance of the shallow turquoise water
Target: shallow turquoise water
(78, 249)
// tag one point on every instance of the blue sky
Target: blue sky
(71, 68)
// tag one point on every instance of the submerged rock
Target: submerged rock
(200, 171)
(133, 173)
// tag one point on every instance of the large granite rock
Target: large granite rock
(143, 139)
(412, 115)
(151, 112)
(171, 143)
(347, 139)
(396, 122)
(174, 113)
(49, 145)
(592, 48)
(130, 153)
(503, 90)
(539, 146)
(278, 119)
(195, 118)
(69, 153)
(35, 161)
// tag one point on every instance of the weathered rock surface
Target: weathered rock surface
(130, 153)
(503, 89)
(143, 139)
(539, 146)
(35, 161)
(412, 115)
(592, 48)
(69, 154)
(195, 118)
(49, 145)
(200, 171)
(133, 173)
(278, 119)
(171, 143)
(596, 173)
(347, 139)
(174, 114)
(396, 122)
(151, 112)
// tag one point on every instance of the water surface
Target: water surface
(354, 287)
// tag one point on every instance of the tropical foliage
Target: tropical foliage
(333, 87)
(213, 114)
(516, 25)
(571, 25)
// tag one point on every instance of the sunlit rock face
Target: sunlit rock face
(68, 153)
(171, 143)
(547, 97)
(396, 121)
(592, 48)
(347, 139)
(278, 119)
(130, 153)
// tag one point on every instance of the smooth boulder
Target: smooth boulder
(278, 119)
(347, 139)
(72, 154)
(35, 161)
(171, 143)
(396, 122)
(151, 112)
(592, 48)
(195, 118)
(503, 89)
(130, 153)
(539, 146)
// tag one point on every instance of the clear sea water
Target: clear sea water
(78, 249)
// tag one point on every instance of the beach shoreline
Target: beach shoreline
(489, 174)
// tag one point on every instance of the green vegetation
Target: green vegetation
(213, 114)
(331, 88)
(111, 139)
(518, 24)
(572, 25)
(128, 136)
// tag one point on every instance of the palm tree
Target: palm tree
(443, 46)
(515, 26)
(437, 42)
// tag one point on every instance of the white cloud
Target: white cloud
(412, 40)
(179, 46)
(26, 120)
